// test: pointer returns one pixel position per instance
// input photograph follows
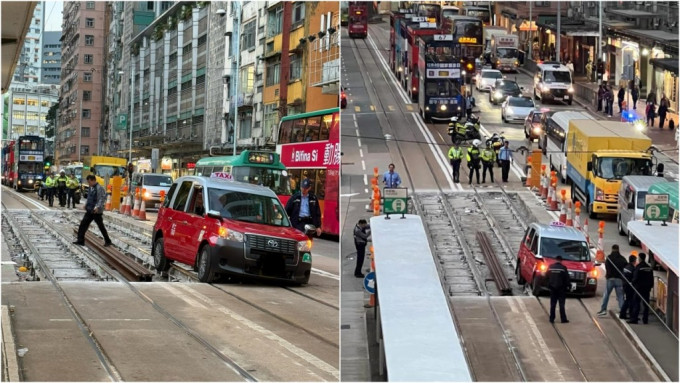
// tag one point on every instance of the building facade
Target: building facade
(82, 78)
(27, 114)
(28, 70)
(51, 58)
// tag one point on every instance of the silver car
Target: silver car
(517, 108)
(487, 77)
(154, 183)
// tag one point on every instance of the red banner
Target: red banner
(319, 154)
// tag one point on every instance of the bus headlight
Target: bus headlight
(230, 235)
(19, 182)
(599, 194)
(30, 181)
(401, 69)
(443, 107)
(571, 89)
(427, 108)
(516, 63)
(305, 245)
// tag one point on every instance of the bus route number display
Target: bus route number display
(261, 158)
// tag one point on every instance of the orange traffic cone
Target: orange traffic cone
(121, 210)
(107, 206)
(570, 215)
(577, 215)
(128, 207)
(553, 203)
(142, 210)
(585, 231)
(528, 182)
(563, 210)
(599, 256)
(135, 209)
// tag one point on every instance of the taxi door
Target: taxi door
(194, 228)
(527, 254)
(173, 221)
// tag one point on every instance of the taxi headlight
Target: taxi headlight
(305, 245)
(230, 235)
(498, 94)
(30, 181)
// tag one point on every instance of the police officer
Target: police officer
(473, 158)
(456, 156)
(303, 208)
(558, 281)
(643, 281)
(61, 188)
(49, 185)
(72, 185)
(361, 238)
(488, 156)
(628, 291)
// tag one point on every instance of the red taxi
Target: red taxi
(220, 226)
(541, 244)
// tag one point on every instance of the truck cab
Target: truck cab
(538, 250)
(505, 52)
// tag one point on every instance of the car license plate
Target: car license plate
(573, 286)
(158, 205)
(566, 97)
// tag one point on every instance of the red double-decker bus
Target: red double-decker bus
(358, 20)
(309, 147)
(8, 164)
(411, 77)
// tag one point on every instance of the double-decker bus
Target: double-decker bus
(256, 167)
(7, 163)
(481, 12)
(410, 80)
(468, 39)
(432, 12)
(439, 77)
(396, 18)
(358, 20)
(27, 168)
(309, 145)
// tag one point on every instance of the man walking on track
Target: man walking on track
(94, 208)
(614, 265)
(558, 280)
(391, 178)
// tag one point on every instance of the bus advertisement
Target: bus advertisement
(358, 20)
(252, 166)
(410, 81)
(396, 18)
(7, 163)
(309, 145)
(27, 168)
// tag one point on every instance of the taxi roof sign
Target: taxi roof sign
(557, 224)
(222, 175)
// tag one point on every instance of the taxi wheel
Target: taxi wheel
(160, 262)
(535, 288)
(205, 268)
(520, 280)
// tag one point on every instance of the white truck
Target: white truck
(504, 52)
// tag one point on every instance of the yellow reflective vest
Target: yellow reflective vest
(72, 183)
(49, 182)
(455, 154)
(488, 155)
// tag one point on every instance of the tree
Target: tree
(51, 121)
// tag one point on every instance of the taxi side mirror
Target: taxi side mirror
(214, 214)
(310, 229)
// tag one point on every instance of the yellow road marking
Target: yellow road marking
(372, 108)
(409, 107)
(357, 109)
(391, 108)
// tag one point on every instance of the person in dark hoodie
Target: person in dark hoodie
(361, 238)
(643, 281)
(614, 265)
(628, 286)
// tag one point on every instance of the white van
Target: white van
(554, 137)
(553, 81)
(632, 201)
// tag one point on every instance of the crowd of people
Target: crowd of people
(605, 104)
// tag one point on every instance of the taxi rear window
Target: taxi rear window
(569, 249)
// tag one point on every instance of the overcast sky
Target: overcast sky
(53, 15)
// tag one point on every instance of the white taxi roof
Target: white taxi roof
(221, 183)
(560, 232)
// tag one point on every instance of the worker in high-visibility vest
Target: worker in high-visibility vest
(49, 185)
(72, 185)
(456, 156)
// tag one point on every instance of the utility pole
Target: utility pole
(599, 45)
(559, 31)
(236, 7)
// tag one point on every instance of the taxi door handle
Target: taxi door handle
(169, 218)
(185, 222)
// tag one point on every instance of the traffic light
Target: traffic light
(47, 164)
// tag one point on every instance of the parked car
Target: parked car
(220, 226)
(517, 108)
(503, 89)
(486, 78)
(152, 184)
(532, 125)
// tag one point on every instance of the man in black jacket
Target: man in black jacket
(94, 208)
(361, 238)
(628, 287)
(558, 281)
(303, 208)
(643, 281)
(614, 264)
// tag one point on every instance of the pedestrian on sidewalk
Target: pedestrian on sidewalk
(614, 265)
(505, 156)
(650, 113)
(643, 281)
(600, 97)
(663, 109)
(391, 178)
(622, 95)
(361, 238)
(558, 281)
(628, 286)
(651, 97)
(609, 97)
(635, 93)
(456, 156)
(94, 208)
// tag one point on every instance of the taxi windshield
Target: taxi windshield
(271, 178)
(247, 207)
(569, 249)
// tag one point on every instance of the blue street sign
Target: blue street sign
(369, 282)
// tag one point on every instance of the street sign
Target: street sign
(122, 122)
(396, 200)
(656, 207)
(369, 282)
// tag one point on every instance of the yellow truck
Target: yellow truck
(599, 154)
(103, 167)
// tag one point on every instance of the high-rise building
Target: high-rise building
(51, 57)
(83, 59)
(28, 70)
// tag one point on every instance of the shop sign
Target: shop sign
(166, 163)
(323, 154)
(144, 165)
(191, 165)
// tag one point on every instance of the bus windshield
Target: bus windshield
(440, 88)
(507, 53)
(569, 249)
(35, 144)
(104, 171)
(247, 207)
(440, 54)
(481, 14)
(271, 178)
(30, 167)
(617, 168)
(449, 12)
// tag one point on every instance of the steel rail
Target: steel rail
(492, 262)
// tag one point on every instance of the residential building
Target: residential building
(51, 57)
(28, 110)
(82, 78)
(28, 69)
(323, 56)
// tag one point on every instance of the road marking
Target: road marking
(361, 152)
(391, 108)
(539, 338)
(326, 274)
(349, 195)
(363, 165)
(438, 155)
(409, 107)
(372, 108)
(366, 191)
(359, 140)
(400, 90)
(357, 131)
(365, 180)
(356, 125)
(357, 109)
(354, 116)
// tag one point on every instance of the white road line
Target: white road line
(400, 90)
(354, 116)
(363, 165)
(356, 125)
(438, 155)
(326, 274)
(366, 190)
(359, 140)
(361, 152)
(357, 131)
(365, 180)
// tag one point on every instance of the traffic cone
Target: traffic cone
(128, 207)
(135, 209)
(107, 206)
(553, 203)
(577, 215)
(563, 209)
(585, 231)
(544, 186)
(570, 215)
(599, 256)
(142, 210)
(548, 201)
(528, 183)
